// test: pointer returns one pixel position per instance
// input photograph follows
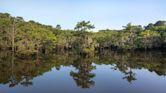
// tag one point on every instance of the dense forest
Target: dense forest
(29, 38)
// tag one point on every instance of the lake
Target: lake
(106, 72)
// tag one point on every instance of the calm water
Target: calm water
(108, 72)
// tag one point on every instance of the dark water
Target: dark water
(108, 72)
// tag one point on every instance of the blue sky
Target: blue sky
(111, 14)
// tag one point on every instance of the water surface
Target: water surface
(107, 72)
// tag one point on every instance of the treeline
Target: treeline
(134, 37)
(27, 38)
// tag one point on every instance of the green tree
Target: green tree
(84, 44)
(84, 26)
(150, 39)
(58, 27)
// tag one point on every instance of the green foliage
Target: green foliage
(5, 34)
(29, 37)
(133, 37)
(84, 26)
(32, 37)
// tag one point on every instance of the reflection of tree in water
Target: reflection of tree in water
(26, 82)
(15, 71)
(83, 77)
(126, 62)
(14, 80)
(126, 70)
(130, 76)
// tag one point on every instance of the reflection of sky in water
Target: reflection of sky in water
(106, 80)
(109, 72)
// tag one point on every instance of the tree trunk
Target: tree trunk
(13, 37)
